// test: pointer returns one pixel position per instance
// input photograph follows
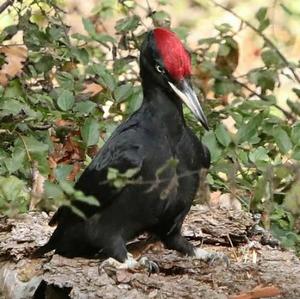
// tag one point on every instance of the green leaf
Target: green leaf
(266, 79)
(129, 173)
(294, 106)
(90, 132)
(85, 107)
(105, 78)
(161, 19)
(67, 187)
(209, 139)
(296, 91)
(282, 139)
(44, 64)
(91, 200)
(246, 131)
(295, 134)
(14, 89)
(65, 100)
(33, 145)
(88, 26)
(292, 199)
(81, 55)
(222, 135)
(261, 16)
(12, 107)
(103, 38)
(122, 92)
(296, 153)
(16, 161)
(128, 24)
(264, 25)
(13, 196)
(223, 28)
(224, 87)
(271, 58)
(62, 171)
(207, 41)
(8, 32)
(259, 154)
(65, 80)
(261, 13)
(53, 191)
(224, 50)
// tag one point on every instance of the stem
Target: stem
(5, 5)
(25, 146)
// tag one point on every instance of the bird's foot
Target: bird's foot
(211, 258)
(149, 265)
(130, 264)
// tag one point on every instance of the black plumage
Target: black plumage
(152, 136)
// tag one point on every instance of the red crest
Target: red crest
(175, 57)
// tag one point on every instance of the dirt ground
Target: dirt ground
(255, 270)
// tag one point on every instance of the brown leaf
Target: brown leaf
(74, 172)
(259, 292)
(227, 64)
(92, 88)
(123, 276)
(15, 58)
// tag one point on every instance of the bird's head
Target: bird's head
(165, 61)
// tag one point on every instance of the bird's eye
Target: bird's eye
(159, 68)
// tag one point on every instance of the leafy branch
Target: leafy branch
(263, 36)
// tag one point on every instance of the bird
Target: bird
(166, 155)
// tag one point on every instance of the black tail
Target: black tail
(69, 238)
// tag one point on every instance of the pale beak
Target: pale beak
(188, 96)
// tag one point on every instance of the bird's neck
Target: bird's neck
(166, 109)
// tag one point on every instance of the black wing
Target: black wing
(122, 152)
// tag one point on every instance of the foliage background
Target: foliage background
(69, 75)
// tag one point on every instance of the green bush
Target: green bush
(52, 115)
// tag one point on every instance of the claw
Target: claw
(130, 263)
(151, 266)
(211, 257)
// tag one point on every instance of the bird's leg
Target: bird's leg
(179, 243)
(119, 258)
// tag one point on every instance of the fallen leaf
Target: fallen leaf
(92, 89)
(123, 276)
(15, 58)
(259, 292)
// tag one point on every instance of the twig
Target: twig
(231, 244)
(25, 146)
(6, 5)
(265, 38)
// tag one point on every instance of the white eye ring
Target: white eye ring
(159, 68)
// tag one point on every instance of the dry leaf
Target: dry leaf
(259, 292)
(228, 63)
(74, 172)
(92, 89)
(15, 58)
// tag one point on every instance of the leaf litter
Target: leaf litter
(255, 271)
